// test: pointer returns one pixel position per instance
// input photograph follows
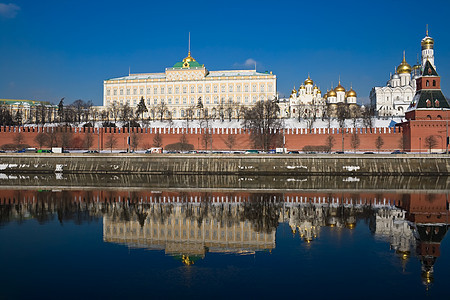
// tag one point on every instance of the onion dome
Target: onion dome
(315, 87)
(339, 88)
(351, 93)
(427, 42)
(309, 81)
(188, 58)
(319, 91)
(395, 76)
(294, 91)
(404, 67)
(332, 93)
(302, 87)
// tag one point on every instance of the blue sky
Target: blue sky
(55, 49)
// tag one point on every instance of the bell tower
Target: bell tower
(427, 44)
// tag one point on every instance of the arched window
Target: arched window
(436, 103)
(439, 117)
(428, 117)
(434, 82)
(427, 83)
(428, 102)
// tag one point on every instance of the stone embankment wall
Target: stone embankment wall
(226, 164)
(295, 139)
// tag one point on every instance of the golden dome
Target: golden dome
(309, 81)
(351, 93)
(404, 67)
(302, 87)
(319, 91)
(188, 58)
(294, 91)
(332, 93)
(339, 88)
(315, 87)
(427, 42)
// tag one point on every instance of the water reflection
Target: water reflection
(188, 225)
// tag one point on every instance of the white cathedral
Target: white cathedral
(394, 99)
(308, 102)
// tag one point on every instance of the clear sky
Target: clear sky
(55, 49)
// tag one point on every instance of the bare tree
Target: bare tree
(157, 140)
(161, 110)
(125, 113)
(41, 139)
(430, 142)
(379, 142)
(342, 114)
(135, 139)
(354, 112)
(110, 141)
(355, 141)
(19, 139)
(88, 140)
(114, 111)
(264, 124)
(367, 116)
(230, 141)
(330, 142)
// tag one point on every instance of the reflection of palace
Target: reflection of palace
(188, 230)
(190, 224)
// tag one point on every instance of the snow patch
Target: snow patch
(3, 166)
(351, 179)
(59, 168)
(296, 167)
(351, 168)
(245, 167)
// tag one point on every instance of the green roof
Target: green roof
(430, 99)
(429, 70)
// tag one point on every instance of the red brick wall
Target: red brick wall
(295, 139)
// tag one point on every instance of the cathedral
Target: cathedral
(394, 99)
(308, 102)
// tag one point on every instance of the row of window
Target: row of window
(184, 90)
(184, 100)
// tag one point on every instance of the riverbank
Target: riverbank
(220, 164)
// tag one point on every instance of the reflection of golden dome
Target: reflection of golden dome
(186, 261)
(188, 58)
(404, 67)
(351, 93)
(309, 81)
(351, 225)
(332, 93)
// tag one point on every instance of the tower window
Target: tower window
(427, 83)
(434, 82)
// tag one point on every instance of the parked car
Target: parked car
(339, 152)
(398, 152)
(251, 152)
(91, 151)
(294, 152)
(369, 152)
(44, 151)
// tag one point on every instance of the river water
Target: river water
(254, 237)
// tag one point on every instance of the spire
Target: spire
(427, 29)
(189, 44)
(404, 56)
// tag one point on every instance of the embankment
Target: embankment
(198, 164)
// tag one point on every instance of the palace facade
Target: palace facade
(189, 89)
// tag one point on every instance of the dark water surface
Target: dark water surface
(329, 243)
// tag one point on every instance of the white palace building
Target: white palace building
(395, 98)
(189, 86)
